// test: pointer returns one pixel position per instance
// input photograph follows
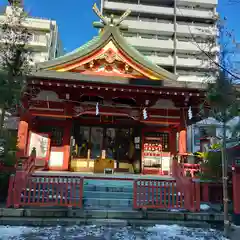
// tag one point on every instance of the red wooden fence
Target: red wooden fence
(148, 193)
(46, 191)
(159, 194)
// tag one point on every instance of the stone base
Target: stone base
(236, 219)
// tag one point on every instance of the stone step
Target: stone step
(107, 183)
(107, 203)
(109, 195)
(119, 208)
(103, 188)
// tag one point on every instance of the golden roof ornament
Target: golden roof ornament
(112, 21)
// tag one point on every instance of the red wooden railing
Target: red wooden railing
(24, 168)
(52, 191)
(46, 191)
(161, 194)
(187, 186)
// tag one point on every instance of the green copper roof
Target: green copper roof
(109, 33)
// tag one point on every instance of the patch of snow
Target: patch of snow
(9, 232)
(83, 232)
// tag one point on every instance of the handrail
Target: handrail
(24, 168)
(26, 164)
(185, 185)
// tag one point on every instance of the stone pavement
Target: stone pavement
(235, 234)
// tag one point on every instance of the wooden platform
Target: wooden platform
(120, 176)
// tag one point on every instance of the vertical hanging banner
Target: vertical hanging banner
(97, 109)
(41, 143)
(145, 115)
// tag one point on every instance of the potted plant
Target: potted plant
(188, 173)
(197, 174)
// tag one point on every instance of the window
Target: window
(96, 142)
(109, 143)
(118, 143)
(82, 141)
(56, 134)
(147, 36)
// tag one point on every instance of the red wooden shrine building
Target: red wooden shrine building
(105, 105)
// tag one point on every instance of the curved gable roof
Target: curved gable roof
(109, 33)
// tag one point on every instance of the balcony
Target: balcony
(167, 11)
(192, 62)
(203, 3)
(37, 45)
(33, 23)
(167, 45)
(185, 62)
(153, 27)
(39, 42)
(38, 24)
(194, 13)
(150, 44)
(161, 61)
(142, 26)
(195, 78)
(191, 46)
(191, 29)
(40, 57)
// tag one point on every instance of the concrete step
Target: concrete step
(109, 195)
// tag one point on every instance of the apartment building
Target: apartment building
(44, 42)
(172, 33)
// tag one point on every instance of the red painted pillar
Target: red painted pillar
(236, 192)
(22, 137)
(173, 148)
(205, 192)
(66, 143)
(173, 141)
(182, 141)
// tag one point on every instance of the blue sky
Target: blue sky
(75, 17)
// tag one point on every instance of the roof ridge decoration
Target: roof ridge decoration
(111, 22)
(108, 55)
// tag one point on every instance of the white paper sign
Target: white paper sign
(56, 159)
(166, 163)
(40, 143)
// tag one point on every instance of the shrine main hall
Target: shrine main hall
(105, 107)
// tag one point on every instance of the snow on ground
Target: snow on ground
(6, 232)
(92, 232)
